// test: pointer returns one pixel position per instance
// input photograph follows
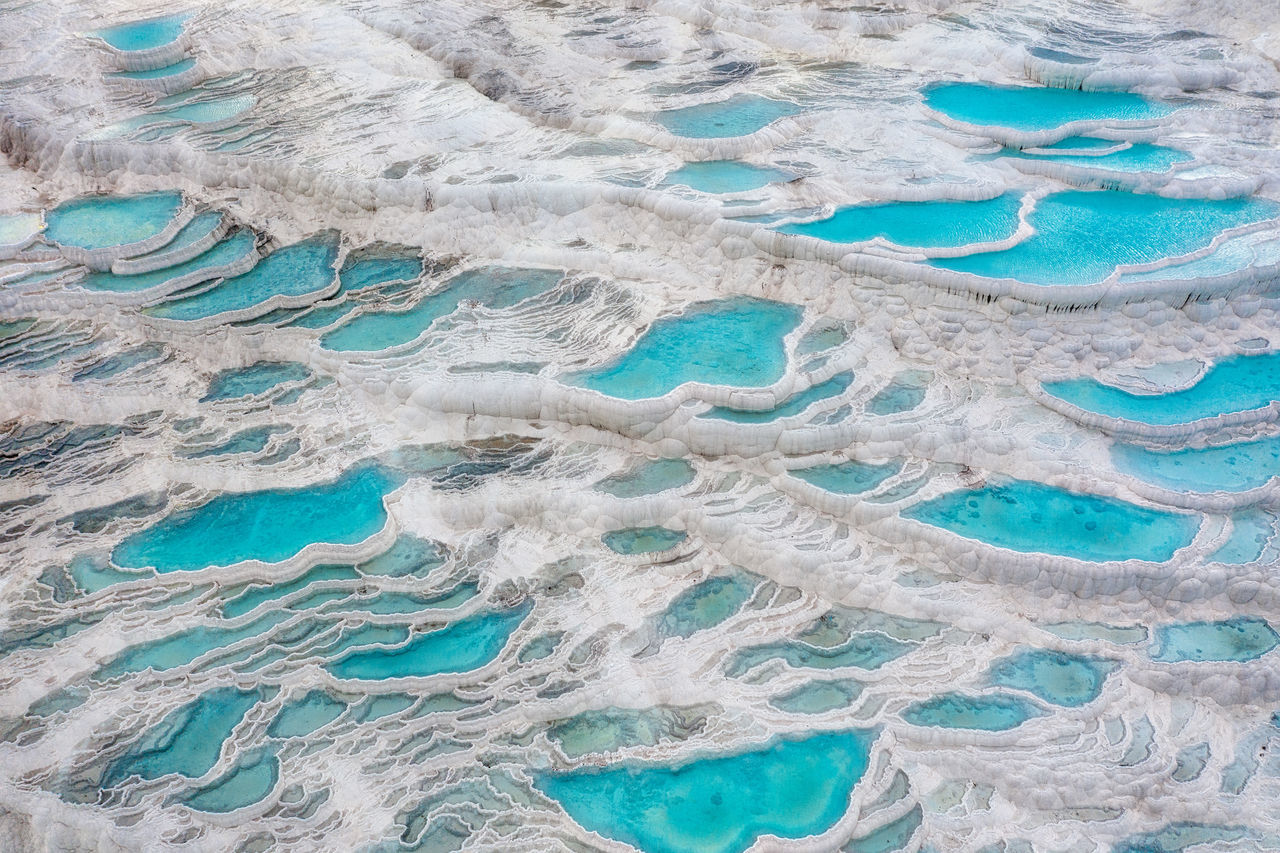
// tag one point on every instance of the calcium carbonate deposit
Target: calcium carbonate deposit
(685, 426)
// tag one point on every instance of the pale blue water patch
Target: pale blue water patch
(904, 393)
(229, 250)
(1177, 837)
(736, 116)
(254, 777)
(1082, 236)
(257, 378)
(1036, 107)
(706, 604)
(408, 556)
(1056, 677)
(270, 526)
(296, 270)
(791, 788)
(459, 647)
(397, 603)
(258, 595)
(144, 35)
(1097, 631)
(197, 228)
(188, 741)
(610, 729)
(725, 176)
(1060, 56)
(493, 287)
(1250, 533)
(1236, 384)
(924, 224)
(1224, 468)
(893, 836)
(252, 440)
(96, 222)
(864, 650)
(155, 73)
(1031, 517)
(648, 478)
(377, 707)
(793, 405)
(539, 647)
(847, 478)
(363, 270)
(168, 121)
(821, 338)
(91, 576)
(736, 342)
(1238, 639)
(818, 697)
(643, 540)
(121, 362)
(1137, 157)
(992, 712)
(304, 715)
(181, 649)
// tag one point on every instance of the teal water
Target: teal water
(254, 777)
(1225, 468)
(1236, 384)
(143, 35)
(1082, 236)
(904, 393)
(377, 707)
(1097, 631)
(893, 836)
(189, 740)
(821, 338)
(408, 556)
(156, 73)
(865, 650)
(296, 270)
(648, 478)
(706, 604)
(493, 287)
(235, 247)
(1177, 837)
(789, 788)
(165, 122)
(96, 222)
(1036, 107)
(611, 729)
(793, 405)
(818, 697)
(255, 379)
(304, 715)
(847, 478)
(181, 649)
(1137, 157)
(643, 540)
(992, 712)
(252, 440)
(725, 176)
(736, 116)
(1238, 639)
(736, 342)
(197, 228)
(460, 647)
(1057, 677)
(1031, 517)
(121, 362)
(257, 595)
(924, 224)
(270, 526)
(1248, 539)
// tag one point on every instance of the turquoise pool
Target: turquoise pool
(923, 224)
(1033, 108)
(737, 116)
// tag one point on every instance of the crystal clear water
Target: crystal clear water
(648, 478)
(256, 595)
(706, 604)
(202, 267)
(643, 540)
(1024, 516)
(144, 35)
(791, 788)
(847, 478)
(165, 122)
(492, 287)
(736, 342)
(255, 379)
(1237, 384)
(1081, 237)
(867, 650)
(1036, 107)
(1224, 468)
(894, 835)
(97, 222)
(818, 697)
(793, 405)
(156, 73)
(1136, 157)
(252, 779)
(1238, 639)
(924, 224)
(991, 712)
(904, 393)
(725, 176)
(1057, 677)
(1250, 532)
(305, 714)
(270, 526)
(293, 271)
(735, 116)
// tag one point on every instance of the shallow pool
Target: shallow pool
(706, 604)
(737, 116)
(144, 35)
(924, 224)
(1239, 639)
(1057, 677)
(255, 379)
(1093, 153)
(992, 712)
(203, 267)
(648, 478)
(1224, 468)
(97, 222)
(1037, 107)
(847, 478)
(725, 176)
(793, 405)
(643, 540)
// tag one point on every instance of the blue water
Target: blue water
(493, 287)
(790, 788)
(736, 342)
(255, 379)
(904, 393)
(156, 73)
(253, 778)
(847, 478)
(1225, 468)
(866, 650)
(166, 122)
(993, 712)
(725, 176)
(305, 714)
(1249, 535)
(270, 526)
(643, 540)
(1081, 237)
(459, 647)
(296, 270)
(793, 405)
(209, 264)
(143, 35)
(1036, 107)
(818, 697)
(1236, 384)
(96, 222)
(737, 116)
(1137, 157)
(256, 595)
(408, 556)
(1238, 639)
(181, 649)
(706, 604)
(924, 224)
(1057, 677)
(1024, 516)
(251, 440)
(648, 478)
(893, 836)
